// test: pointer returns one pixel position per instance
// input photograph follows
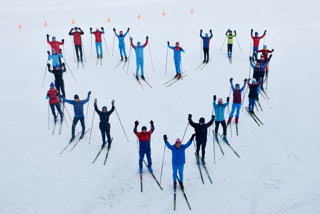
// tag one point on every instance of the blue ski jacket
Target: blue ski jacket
(176, 52)
(178, 155)
(77, 106)
(121, 39)
(219, 110)
(139, 50)
(206, 40)
(55, 59)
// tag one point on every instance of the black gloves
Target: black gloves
(60, 50)
(272, 50)
(95, 102)
(168, 42)
(200, 30)
(151, 122)
(136, 123)
(165, 138)
(234, 32)
(228, 98)
(189, 116)
(60, 96)
(79, 28)
(114, 29)
(245, 80)
(62, 40)
(131, 39)
(214, 97)
(89, 93)
(192, 137)
(101, 28)
(213, 117)
(270, 56)
(48, 53)
(91, 29)
(128, 29)
(250, 58)
(180, 49)
(210, 31)
(231, 79)
(265, 31)
(251, 30)
(71, 29)
(147, 37)
(47, 36)
(112, 102)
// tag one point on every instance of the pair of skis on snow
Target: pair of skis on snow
(143, 80)
(81, 63)
(254, 117)
(75, 143)
(226, 143)
(202, 65)
(54, 127)
(141, 180)
(175, 79)
(184, 194)
(205, 168)
(124, 65)
(105, 160)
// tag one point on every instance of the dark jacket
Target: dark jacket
(253, 93)
(104, 117)
(201, 130)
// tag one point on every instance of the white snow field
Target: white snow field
(278, 171)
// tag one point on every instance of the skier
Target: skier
(265, 53)
(253, 93)
(264, 70)
(144, 138)
(78, 113)
(258, 70)
(219, 111)
(230, 41)
(236, 100)
(55, 44)
(104, 124)
(256, 40)
(206, 44)
(201, 135)
(58, 70)
(178, 158)
(177, 58)
(122, 46)
(139, 56)
(97, 34)
(54, 102)
(77, 41)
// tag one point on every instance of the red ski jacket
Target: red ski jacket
(52, 94)
(265, 53)
(256, 40)
(55, 45)
(77, 38)
(98, 36)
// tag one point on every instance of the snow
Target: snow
(278, 168)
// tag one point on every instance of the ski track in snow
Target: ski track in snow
(278, 168)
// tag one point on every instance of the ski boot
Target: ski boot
(109, 145)
(55, 119)
(203, 162)
(177, 74)
(229, 120)
(101, 56)
(204, 61)
(237, 120)
(225, 138)
(207, 61)
(216, 137)
(142, 77)
(198, 161)
(126, 59)
(61, 117)
(150, 169)
(81, 136)
(181, 185)
(140, 170)
(137, 78)
(103, 145)
(72, 138)
(174, 185)
(121, 58)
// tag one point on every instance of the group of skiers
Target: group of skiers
(56, 95)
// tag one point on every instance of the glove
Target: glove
(95, 101)
(250, 58)
(235, 32)
(213, 117)
(214, 97)
(165, 138)
(130, 38)
(62, 40)
(228, 99)
(112, 102)
(245, 80)
(210, 31)
(180, 49)
(168, 42)
(136, 123)
(79, 28)
(249, 79)
(192, 137)
(60, 50)
(189, 116)
(272, 50)
(102, 28)
(48, 53)
(228, 30)
(200, 30)
(251, 30)
(231, 79)
(71, 29)
(128, 29)
(147, 37)
(151, 122)
(60, 96)
(91, 29)
(89, 93)
(47, 36)
(114, 29)
(265, 31)
(270, 56)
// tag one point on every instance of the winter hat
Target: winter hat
(207, 34)
(178, 141)
(53, 50)
(201, 120)
(256, 33)
(237, 85)
(53, 37)
(138, 43)
(104, 108)
(265, 46)
(144, 128)
(120, 31)
(253, 80)
(51, 85)
(75, 28)
(177, 43)
(220, 100)
(261, 56)
(76, 96)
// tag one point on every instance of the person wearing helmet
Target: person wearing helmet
(236, 105)
(201, 135)
(52, 95)
(144, 138)
(77, 41)
(54, 43)
(178, 158)
(98, 40)
(58, 70)
(219, 112)
(230, 41)
(253, 93)
(177, 58)
(206, 45)
(256, 40)
(122, 46)
(78, 113)
(104, 124)
(139, 56)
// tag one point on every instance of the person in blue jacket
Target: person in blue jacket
(56, 59)
(177, 58)
(78, 113)
(206, 44)
(144, 138)
(178, 158)
(219, 112)
(122, 46)
(139, 56)
(236, 105)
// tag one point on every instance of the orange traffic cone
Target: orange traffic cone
(73, 21)
(108, 19)
(19, 26)
(163, 13)
(45, 23)
(191, 10)
(138, 16)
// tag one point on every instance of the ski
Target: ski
(218, 143)
(265, 93)
(146, 81)
(229, 145)
(54, 127)
(259, 105)
(119, 63)
(100, 151)
(97, 61)
(199, 169)
(69, 144)
(153, 175)
(255, 104)
(141, 182)
(105, 160)
(173, 79)
(78, 64)
(79, 140)
(205, 168)
(101, 60)
(262, 94)
(176, 80)
(82, 64)
(206, 64)
(184, 194)
(237, 128)
(257, 118)
(252, 116)
(174, 198)
(230, 60)
(138, 81)
(125, 64)
(200, 65)
(60, 126)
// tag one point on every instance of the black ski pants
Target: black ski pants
(74, 123)
(230, 48)
(78, 49)
(224, 126)
(58, 109)
(203, 147)
(105, 130)
(59, 84)
(206, 53)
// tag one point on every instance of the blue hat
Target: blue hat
(206, 34)
(51, 85)
(265, 46)
(256, 33)
(237, 86)
(53, 37)
(253, 80)
(75, 27)
(138, 43)
(104, 108)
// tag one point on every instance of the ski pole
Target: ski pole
(129, 60)
(238, 44)
(201, 48)
(87, 112)
(114, 36)
(73, 47)
(151, 57)
(164, 150)
(231, 128)
(212, 123)
(82, 46)
(214, 149)
(64, 115)
(63, 49)
(105, 44)
(121, 125)
(45, 72)
(48, 116)
(185, 132)
(130, 44)
(229, 98)
(71, 120)
(243, 97)
(223, 43)
(69, 69)
(91, 43)
(166, 62)
(92, 123)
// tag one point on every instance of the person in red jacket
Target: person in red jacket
(256, 40)
(265, 53)
(55, 44)
(77, 41)
(97, 34)
(52, 95)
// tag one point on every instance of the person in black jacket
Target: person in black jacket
(201, 135)
(58, 73)
(253, 93)
(104, 124)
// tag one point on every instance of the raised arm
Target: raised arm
(145, 44)
(171, 147)
(132, 45)
(70, 32)
(96, 109)
(68, 101)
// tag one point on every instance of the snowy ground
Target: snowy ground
(278, 168)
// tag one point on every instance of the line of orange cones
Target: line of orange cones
(45, 23)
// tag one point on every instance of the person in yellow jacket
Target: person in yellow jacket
(230, 41)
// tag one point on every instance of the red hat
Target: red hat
(177, 43)
(178, 141)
